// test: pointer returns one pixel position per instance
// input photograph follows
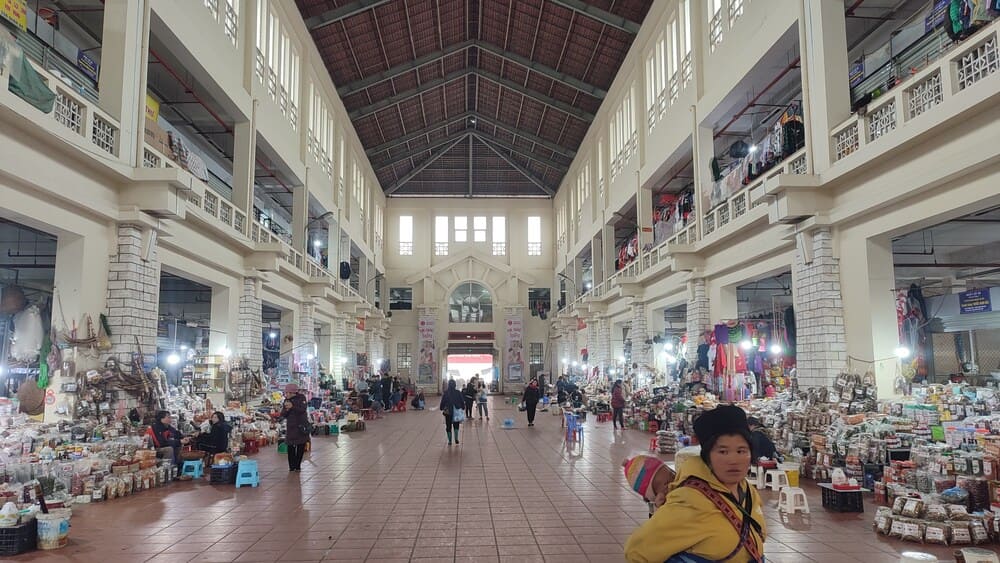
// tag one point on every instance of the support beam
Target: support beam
(470, 165)
(414, 152)
(599, 15)
(524, 171)
(420, 167)
(347, 10)
(514, 130)
(544, 70)
(419, 133)
(537, 96)
(407, 94)
(401, 69)
(523, 152)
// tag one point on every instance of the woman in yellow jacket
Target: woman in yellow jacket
(710, 513)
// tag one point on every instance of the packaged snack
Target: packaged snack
(914, 508)
(913, 531)
(978, 532)
(958, 512)
(936, 513)
(898, 504)
(960, 534)
(896, 530)
(883, 520)
(937, 533)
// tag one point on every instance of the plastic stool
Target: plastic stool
(653, 446)
(246, 473)
(282, 448)
(793, 499)
(193, 468)
(917, 557)
(776, 479)
(756, 476)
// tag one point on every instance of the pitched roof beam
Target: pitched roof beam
(419, 133)
(420, 167)
(599, 15)
(343, 12)
(537, 96)
(407, 94)
(544, 70)
(518, 132)
(401, 69)
(521, 151)
(524, 171)
(420, 150)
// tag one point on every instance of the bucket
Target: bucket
(792, 471)
(53, 528)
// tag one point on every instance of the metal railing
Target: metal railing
(963, 68)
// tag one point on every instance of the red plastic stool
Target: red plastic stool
(367, 414)
(603, 417)
(251, 446)
(653, 445)
(399, 407)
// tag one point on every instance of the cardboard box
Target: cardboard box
(157, 138)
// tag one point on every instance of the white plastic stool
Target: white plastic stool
(793, 499)
(756, 476)
(775, 478)
(917, 557)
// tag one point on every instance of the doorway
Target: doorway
(463, 367)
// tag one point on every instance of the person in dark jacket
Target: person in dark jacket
(530, 399)
(760, 444)
(217, 439)
(451, 400)
(561, 390)
(166, 438)
(469, 394)
(386, 391)
(618, 405)
(296, 421)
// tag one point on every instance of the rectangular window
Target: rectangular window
(461, 229)
(440, 236)
(404, 358)
(479, 229)
(536, 357)
(400, 298)
(534, 236)
(539, 301)
(405, 235)
(686, 16)
(499, 236)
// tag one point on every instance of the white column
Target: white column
(641, 352)
(251, 327)
(244, 163)
(305, 331)
(867, 282)
(133, 293)
(124, 62)
(704, 152)
(821, 348)
(826, 94)
(698, 317)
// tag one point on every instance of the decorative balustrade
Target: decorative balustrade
(735, 11)
(227, 17)
(950, 76)
(715, 30)
(739, 204)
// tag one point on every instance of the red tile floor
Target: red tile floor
(397, 492)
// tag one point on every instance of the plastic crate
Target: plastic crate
(224, 475)
(19, 539)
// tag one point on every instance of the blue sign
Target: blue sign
(857, 73)
(937, 15)
(975, 301)
(87, 65)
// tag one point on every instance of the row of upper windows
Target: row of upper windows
(456, 229)
(277, 61)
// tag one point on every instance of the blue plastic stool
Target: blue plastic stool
(246, 473)
(193, 468)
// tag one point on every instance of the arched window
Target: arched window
(470, 302)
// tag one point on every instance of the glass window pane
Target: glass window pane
(499, 229)
(479, 222)
(406, 228)
(440, 229)
(534, 229)
(461, 223)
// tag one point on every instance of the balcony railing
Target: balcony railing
(965, 66)
(715, 30)
(227, 17)
(90, 127)
(739, 204)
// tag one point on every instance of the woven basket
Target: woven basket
(32, 398)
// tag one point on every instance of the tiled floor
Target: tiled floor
(396, 492)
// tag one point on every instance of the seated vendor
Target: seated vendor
(166, 439)
(216, 440)
(418, 401)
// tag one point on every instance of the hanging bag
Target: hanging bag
(457, 415)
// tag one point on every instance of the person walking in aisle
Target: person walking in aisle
(452, 403)
(469, 395)
(618, 405)
(297, 426)
(530, 399)
(481, 401)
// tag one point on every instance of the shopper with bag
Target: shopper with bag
(481, 401)
(710, 513)
(530, 400)
(297, 426)
(618, 405)
(453, 409)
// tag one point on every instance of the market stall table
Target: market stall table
(842, 500)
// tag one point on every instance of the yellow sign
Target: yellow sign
(15, 11)
(152, 108)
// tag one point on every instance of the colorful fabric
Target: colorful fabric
(639, 472)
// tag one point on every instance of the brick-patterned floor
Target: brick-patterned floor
(397, 492)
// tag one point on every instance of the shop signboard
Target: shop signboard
(16, 11)
(87, 65)
(937, 15)
(975, 301)
(857, 73)
(426, 325)
(515, 344)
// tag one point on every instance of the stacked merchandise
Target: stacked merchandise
(666, 442)
(935, 520)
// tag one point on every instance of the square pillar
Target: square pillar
(251, 328)
(826, 98)
(821, 346)
(124, 65)
(224, 321)
(133, 293)
(698, 317)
